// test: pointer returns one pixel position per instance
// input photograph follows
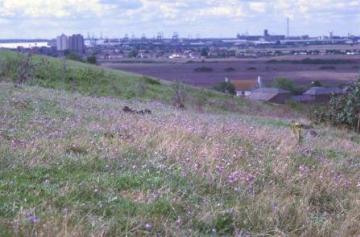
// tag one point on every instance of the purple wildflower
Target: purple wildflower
(32, 218)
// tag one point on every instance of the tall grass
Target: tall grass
(72, 165)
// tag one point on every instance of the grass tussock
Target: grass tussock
(73, 165)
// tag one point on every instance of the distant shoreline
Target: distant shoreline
(15, 45)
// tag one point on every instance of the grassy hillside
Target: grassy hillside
(85, 78)
(76, 165)
(99, 82)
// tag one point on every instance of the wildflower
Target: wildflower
(243, 177)
(32, 218)
(219, 168)
(148, 226)
(304, 170)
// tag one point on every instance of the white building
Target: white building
(62, 43)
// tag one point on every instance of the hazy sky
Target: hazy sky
(115, 18)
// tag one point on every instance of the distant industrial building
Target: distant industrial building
(266, 37)
(74, 43)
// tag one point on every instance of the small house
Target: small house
(321, 94)
(244, 87)
(272, 95)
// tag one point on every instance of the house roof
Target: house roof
(244, 85)
(266, 94)
(323, 91)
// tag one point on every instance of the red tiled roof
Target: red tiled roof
(243, 85)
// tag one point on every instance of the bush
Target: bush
(73, 56)
(151, 81)
(285, 84)
(226, 87)
(204, 52)
(229, 69)
(251, 68)
(179, 95)
(327, 68)
(203, 69)
(92, 59)
(19, 69)
(342, 110)
(316, 84)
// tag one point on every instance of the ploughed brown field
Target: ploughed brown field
(331, 72)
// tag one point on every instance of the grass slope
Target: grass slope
(99, 82)
(72, 165)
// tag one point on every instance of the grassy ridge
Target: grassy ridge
(79, 166)
(84, 78)
(93, 80)
(99, 82)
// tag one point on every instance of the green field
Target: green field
(72, 163)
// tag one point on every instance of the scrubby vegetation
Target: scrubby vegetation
(226, 87)
(327, 68)
(251, 68)
(229, 69)
(95, 81)
(342, 110)
(73, 162)
(76, 76)
(314, 61)
(316, 84)
(286, 84)
(92, 59)
(80, 166)
(203, 69)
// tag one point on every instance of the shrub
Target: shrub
(342, 110)
(251, 68)
(19, 69)
(204, 52)
(8, 67)
(92, 59)
(203, 69)
(285, 84)
(179, 95)
(73, 56)
(327, 68)
(151, 81)
(316, 83)
(226, 87)
(25, 70)
(229, 69)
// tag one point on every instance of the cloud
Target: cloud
(52, 8)
(208, 17)
(259, 7)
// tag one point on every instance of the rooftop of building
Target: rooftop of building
(323, 91)
(244, 85)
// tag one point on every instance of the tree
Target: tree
(204, 52)
(226, 87)
(133, 53)
(316, 83)
(92, 59)
(73, 56)
(285, 84)
(342, 110)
